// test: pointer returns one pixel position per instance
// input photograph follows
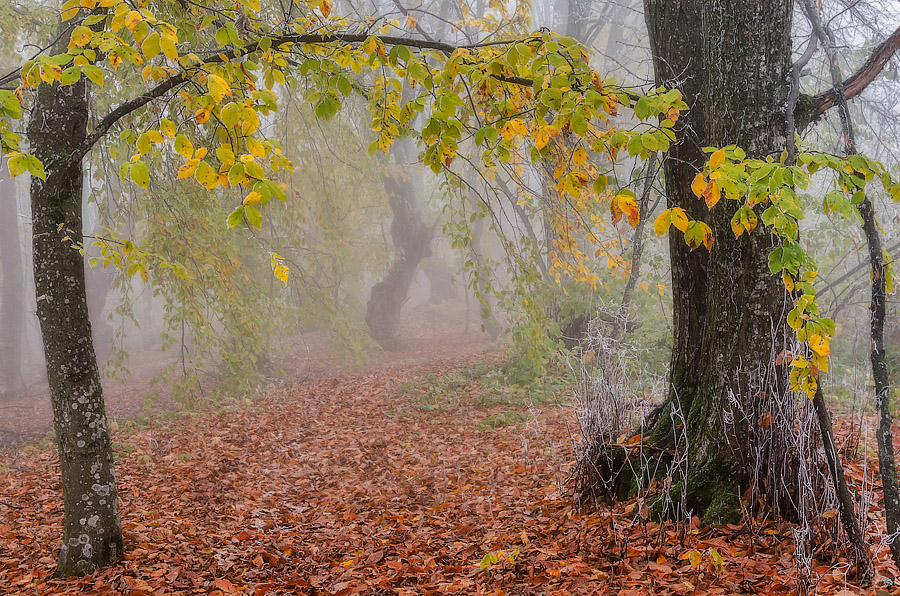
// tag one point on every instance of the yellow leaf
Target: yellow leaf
(218, 87)
(680, 219)
(712, 194)
(168, 49)
(252, 198)
(662, 223)
(717, 159)
(736, 225)
(187, 170)
(280, 268)
(51, 73)
(325, 7)
(206, 176)
(628, 206)
(696, 558)
(699, 184)
(69, 9)
(819, 345)
(132, 19)
(255, 147)
(81, 36)
(541, 138)
(167, 127)
(580, 156)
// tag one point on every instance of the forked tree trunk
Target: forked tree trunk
(734, 61)
(92, 531)
(12, 310)
(412, 243)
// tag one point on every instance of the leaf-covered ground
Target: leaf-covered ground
(401, 481)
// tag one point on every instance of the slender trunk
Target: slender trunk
(12, 310)
(92, 531)
(885, 457)
(845, 500)
(886, 465)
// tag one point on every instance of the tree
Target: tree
(523, 99)
(412, 242)
(92, 532)
(516, 85)
(730, 345)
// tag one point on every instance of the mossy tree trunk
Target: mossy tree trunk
(92, 531)
(732, 60)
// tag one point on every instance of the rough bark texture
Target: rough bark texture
(12, 311)
(412, 242)
(677, 58)
(92, 532)
(732, 61)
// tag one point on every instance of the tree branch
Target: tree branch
(855, 84)
(107, 122)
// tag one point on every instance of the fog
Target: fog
(388, 260)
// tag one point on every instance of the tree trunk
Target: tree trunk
(92, 531)
(412, 242)
(675, 42)
(733, 60)
(12, 312)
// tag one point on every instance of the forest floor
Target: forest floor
(144, 389)
(416, 478)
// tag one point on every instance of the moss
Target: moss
(713, 493)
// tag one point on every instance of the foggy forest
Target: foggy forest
(426, 297)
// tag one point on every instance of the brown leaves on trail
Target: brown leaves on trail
(346, 486)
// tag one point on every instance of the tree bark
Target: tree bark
(733, 61)
(92, 531)
(12, 310)
(676, 44)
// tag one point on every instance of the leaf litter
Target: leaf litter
(351, 485)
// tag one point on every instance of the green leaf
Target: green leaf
(254, 217)
(35, 167)
(776, 260)
(94, 73)
(139, 174)
(150, 46)
(235, 217)
(650, 142)
(579, 124)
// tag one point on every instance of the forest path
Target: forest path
(427, 334)
(394, 482)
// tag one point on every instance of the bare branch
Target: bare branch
(859, 80)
